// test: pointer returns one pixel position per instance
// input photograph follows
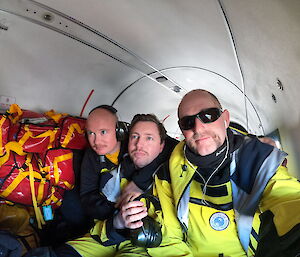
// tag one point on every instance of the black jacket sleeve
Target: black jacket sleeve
(94, 203)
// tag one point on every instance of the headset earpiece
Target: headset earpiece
(109, 108)
(122, 129)
(149, 235)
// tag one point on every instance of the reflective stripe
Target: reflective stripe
(112, 188)
(245, 204)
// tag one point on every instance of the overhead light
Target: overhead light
(177, 89)
(161, 79)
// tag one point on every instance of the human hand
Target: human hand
(130, 215)
(129, 193)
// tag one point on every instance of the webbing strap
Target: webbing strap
(56, 172)
(37, 210)
(12, 186)
(14, 108)
(55, 167)
(53, 199)
(38, 176)
(22, 174)
(72, 128)
(3, 119)
(28, 134)
(55, 116)
(11, 146)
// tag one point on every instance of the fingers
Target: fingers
(126, 197)
(132, 214)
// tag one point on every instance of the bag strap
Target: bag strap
(56, 172)
(14, 109)
(11, 146)
(28, 134)
(38, 214)
(3, 119)
(55, 116)
(72, 128)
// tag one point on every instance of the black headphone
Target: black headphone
(122, 127)
(149, 235)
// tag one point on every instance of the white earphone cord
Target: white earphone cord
(211, 175)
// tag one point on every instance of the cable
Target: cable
(198, 68)
(236, 58)
(204, 202)
(86, 101)
(213, 173)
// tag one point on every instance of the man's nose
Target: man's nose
(96, 139)
(199, 125)
(139, 143)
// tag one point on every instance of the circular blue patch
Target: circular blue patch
(219, 221)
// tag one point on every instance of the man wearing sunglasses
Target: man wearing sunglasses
(220, 185)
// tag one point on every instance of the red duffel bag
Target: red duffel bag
(72, 132)
(37, 138)
(58, 164)
(5, 125)
(19, 176)
(33, 131)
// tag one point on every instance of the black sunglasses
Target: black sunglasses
(206, 116)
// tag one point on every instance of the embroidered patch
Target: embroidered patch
(219, 221)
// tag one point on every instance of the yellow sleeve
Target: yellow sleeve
(173, 239)
(282, 197)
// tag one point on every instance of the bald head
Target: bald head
(101, 113)
(101, 131)
(195, 95)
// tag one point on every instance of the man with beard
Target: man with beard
(148, 148)
(221, 185)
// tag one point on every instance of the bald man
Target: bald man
(99, 166)
(220, 185)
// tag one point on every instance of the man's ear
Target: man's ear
(226, 118)
(162, 145)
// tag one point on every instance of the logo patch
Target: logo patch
(219, 221)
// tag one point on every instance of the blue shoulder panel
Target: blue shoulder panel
(251, 156)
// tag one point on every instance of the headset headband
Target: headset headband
(110, 108)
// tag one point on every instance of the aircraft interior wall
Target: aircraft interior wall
(291, 144)
(143, 56)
